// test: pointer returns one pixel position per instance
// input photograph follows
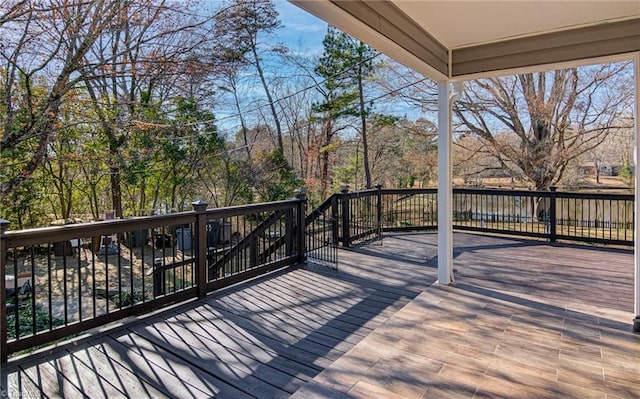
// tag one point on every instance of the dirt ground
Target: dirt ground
(70, 283)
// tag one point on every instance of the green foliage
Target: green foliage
(345, 66)
(25, 320)
(238, 25)
(339, 65)
(127, 298)
(382, 120)
(276, 178)
(236, 174)
(24, 206)
(626, 174)
(411, 181)
(349, 173)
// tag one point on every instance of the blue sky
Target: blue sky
(300, 30)
(298, 26)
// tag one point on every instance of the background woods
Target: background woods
(143, 106)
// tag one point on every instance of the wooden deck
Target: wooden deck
(524, 319)
(264, 339)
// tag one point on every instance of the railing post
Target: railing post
(301, 195)
(378, 187)
(200, 208)
(159, 278)
(346, 233)
(335, 233)
(552, 214)
(4, 355)
(290, 230)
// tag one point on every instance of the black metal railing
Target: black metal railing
(552, 215)
(322, 233)
(60, 281)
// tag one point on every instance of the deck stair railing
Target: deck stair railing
(320, 233)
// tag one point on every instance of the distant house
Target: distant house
(604, 169)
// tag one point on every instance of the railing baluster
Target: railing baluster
(4, 350)
(552, 214)
(200, 208)
(15, 299)
(336, 217)
(65, 295)
(301, 228)
(131, 244)
(34, 327)
(346, 219)
(119, 270)
(78, 249)
(50, 287)
(93, 282)
(379, 208)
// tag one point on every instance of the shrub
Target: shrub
(127, 298)
(26, 317)
(626, 174)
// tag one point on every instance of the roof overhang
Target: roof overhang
(455, 40)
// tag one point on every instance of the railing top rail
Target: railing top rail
(502, 191)
(362, 193)
(43, 235)
(495, 191)
(609, 196)
(391, 191)
(105, 227)
(541, 193)
(252, 208)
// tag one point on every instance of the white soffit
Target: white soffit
(464, 39)
(459, 24)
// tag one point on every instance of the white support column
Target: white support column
(636, 237)
(445, 186)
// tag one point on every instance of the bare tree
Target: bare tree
(229, 73)
(132, 69)
(43, 50)
(556, 117)
(238, 30)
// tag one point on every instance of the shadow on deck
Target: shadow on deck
(262, 339)
(375, 328)
(524, 320)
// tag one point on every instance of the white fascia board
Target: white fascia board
(546, 67)
(344, 21)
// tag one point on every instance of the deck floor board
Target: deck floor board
(523, 319)
(216, 338)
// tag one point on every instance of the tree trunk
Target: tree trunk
(143, 196)
(243, 125)
(363, 121)
(94, 200)
(116, 190)
(272, 106)
(324, 177)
